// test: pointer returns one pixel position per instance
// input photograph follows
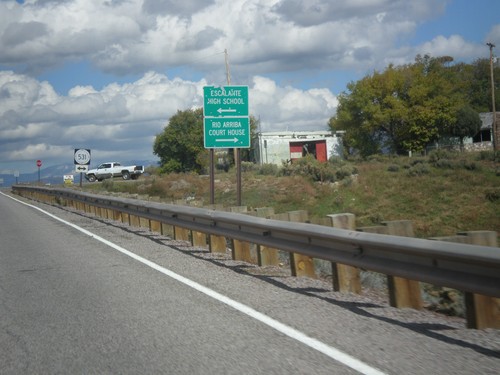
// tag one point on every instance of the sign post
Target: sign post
(82, 161)
(226, 123)
(38, 164)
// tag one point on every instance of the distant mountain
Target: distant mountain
(54, 175)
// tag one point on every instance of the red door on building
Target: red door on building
(315, 148)
(321, 151)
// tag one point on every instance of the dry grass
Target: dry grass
(439, 201)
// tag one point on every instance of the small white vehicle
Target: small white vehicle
(114, 169)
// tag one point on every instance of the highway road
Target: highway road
(85, 295)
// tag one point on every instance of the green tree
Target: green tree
(479, 85)
(247, 154)
(401, 109)
(467, 124)
(180, 145)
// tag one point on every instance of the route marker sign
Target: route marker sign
(226, 123)
(82, 156)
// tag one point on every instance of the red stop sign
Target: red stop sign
(38, 163)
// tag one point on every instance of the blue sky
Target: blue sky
(107, 75)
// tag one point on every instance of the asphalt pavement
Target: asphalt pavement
(84, 295)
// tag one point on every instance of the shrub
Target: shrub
(268, 169)
(108, 184)
(336, 160)
(310, 168)
(469, 165)
(489, 155)
(248, 166)
(345, 171)
(393, 168)
(492, 194)
(418, 170)
(417, 161)
(444, 164)
(441, 153)
(152, 170)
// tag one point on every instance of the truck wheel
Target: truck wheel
(91, 178)
(126, 175)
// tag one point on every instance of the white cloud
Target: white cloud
(261, 35)
(454, 46)
(122, 120)
(494, 36)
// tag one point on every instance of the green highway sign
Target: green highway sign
(225, 101)
(227, 132)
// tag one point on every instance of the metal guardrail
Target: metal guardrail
(469, 268)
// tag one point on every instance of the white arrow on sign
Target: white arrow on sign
(82, 168)
(229, 110)
(227, 140)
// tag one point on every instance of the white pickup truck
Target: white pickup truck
(113, 169)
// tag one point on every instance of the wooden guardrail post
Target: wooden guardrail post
(480, 311)
(266, 256)
(181, 234)
(345, 278)
(198, 239)
(167, 230)
(216, 244)
(242, 250)
(109, 213)
(402, 292)
(155, 226)
(144, 222)
(301, 265)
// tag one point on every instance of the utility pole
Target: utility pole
(496, 131)
(236, 151)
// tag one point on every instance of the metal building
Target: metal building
(279, 147)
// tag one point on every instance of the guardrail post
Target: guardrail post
(345, 278)
(109, 213)
(100, 211)
(266, 256)
(126, 218)
(301, 265)
(480, 311)
(144, 222)
(242, 250)
(402, 292)
(167, 230)
(134, 220)
(181, 234)
(216, 244)
(198, 239)
(155, 226)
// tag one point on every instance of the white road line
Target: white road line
(330, 351)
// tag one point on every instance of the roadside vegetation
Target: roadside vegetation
(443, 193)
